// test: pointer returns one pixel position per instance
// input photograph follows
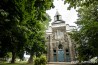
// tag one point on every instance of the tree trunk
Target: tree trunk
(13, 57)
(30, 61)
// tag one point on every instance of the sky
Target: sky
(69, 16)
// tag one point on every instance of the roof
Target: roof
(60, 21)
(57, 13)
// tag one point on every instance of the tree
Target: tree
(86, 37)
(11, 35)
(80, 3)
(36, 40)
(22, 24)
(36, 26)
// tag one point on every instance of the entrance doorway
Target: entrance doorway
(60, 55)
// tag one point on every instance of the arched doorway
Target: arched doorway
(60, 53)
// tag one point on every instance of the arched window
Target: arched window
(60, 46)
(67, 50)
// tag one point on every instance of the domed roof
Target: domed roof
(58, 18)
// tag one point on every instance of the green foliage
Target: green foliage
(43, 60)
(40, 60)
(22, 26)
(9, 54)
(11, 35)
(86, 37)
(81, 3)
(37, 61)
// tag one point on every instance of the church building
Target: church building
(60, 47)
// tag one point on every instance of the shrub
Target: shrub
(37, 61)
(40, 60)
(43, 60)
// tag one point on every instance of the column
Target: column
(70, 48)
(65, 54)
(51, 49)
(57, 53)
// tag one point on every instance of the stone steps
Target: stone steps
(59, 63)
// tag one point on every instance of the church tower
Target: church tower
(59, 43)
(57, 16)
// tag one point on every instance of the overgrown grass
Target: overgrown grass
(15, 64)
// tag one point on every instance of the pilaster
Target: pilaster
(51, 49)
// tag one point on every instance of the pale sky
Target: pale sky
(69, 16)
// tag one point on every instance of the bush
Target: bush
(40, 60)
(37, 61)
(43, 60)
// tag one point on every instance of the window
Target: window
(54, 51)
(59, 34)
(67, 50)
(57, 17)
(60, 46)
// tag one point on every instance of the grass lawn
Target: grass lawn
(15, 64)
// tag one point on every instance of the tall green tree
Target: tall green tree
(11, 35)
(36, 25)
(22, 25)
(86, 36)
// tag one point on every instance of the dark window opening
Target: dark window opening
(57, 17)
(67, 53)
(54, 51)
(67, 50)
(60, 46)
